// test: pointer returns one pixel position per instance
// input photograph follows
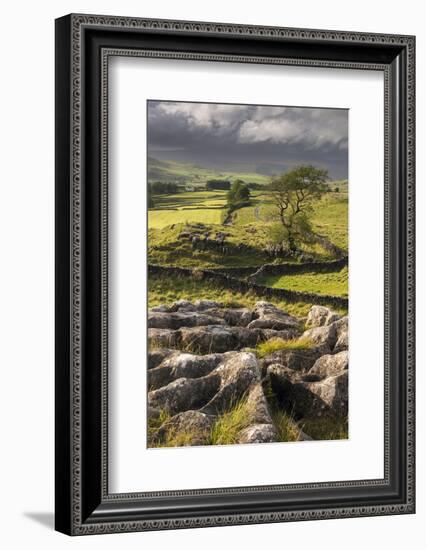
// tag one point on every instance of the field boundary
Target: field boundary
(305, 267)
(239, 285)
(253, 272)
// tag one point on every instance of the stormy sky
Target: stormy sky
(247, 138)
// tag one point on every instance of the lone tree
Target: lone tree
(292, 194)
(238, 195)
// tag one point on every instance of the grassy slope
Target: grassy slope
(329, 215)
(165, 290)
(250, 227)
(190, 174)
(330, 218)
(166, 248)
(331, 284)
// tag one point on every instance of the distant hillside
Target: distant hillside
(191, 174)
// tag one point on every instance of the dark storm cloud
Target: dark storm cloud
(265, 139)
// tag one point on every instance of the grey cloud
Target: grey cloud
(260, 137)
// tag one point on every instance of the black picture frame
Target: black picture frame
(83, 504)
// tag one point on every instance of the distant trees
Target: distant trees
(238, 195)
(292, 194)
(255, 186)
(163, 188)
(223, 185)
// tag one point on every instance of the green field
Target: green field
(247, 237)
(250, 227)
(330, 284)
(158, 219)
(187, 207)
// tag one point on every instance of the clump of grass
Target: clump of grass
(278, 344)
(175, 438)
(286, 427)
(172, 437)
(327, 427)
(229, 424)
(154, 423)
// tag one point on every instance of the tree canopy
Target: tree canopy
(218, 184)
(164, 187)
(238, 195)
(292, 194)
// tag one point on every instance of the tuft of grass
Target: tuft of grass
(182, 438)
(155, 423)
(173, 437)
(327, 427)
(278, 344)
(286, 427)
(229, 424)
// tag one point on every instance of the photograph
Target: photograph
(248, 257)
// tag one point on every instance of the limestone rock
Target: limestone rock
(323, 337)
(201, 305)
(302, 397)
(178, 319)
(319, 316)
(330, 365)
(237, 375)
(234, 317)
(160, 308)
(184, 394)
(257, 406)
(210, 339)
(221, 338)
(186, 428)
(163, 338)
(183, 305)
(258, 433)
(333, 392)
(299, 360)
(270, 317)
(342, 331)
(157, 356)
(183, 365)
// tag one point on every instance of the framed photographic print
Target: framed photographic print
(234, 274)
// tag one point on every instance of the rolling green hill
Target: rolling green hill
(193, 175)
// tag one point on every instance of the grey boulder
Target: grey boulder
(183, 365)
(269, 316)
(330, 365)
(319, 316)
